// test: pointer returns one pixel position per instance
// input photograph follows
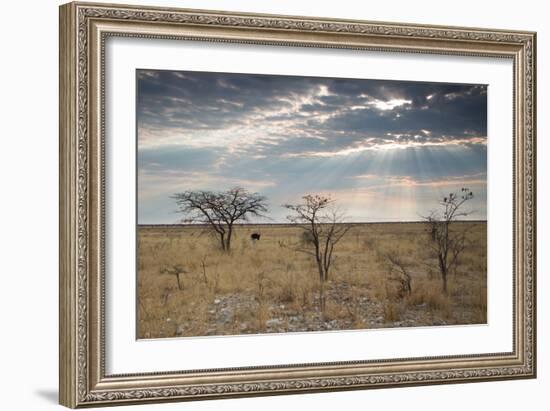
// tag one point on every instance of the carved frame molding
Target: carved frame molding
(84, 27)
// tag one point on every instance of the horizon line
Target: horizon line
(288, 223)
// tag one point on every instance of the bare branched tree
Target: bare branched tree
(220, 210)
(324, 227)
(399, 272)
(176, 271)
(447, 245)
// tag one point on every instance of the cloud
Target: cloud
(285, 135)
(451, 182)
(176, 107)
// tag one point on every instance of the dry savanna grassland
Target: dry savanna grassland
(187, 286)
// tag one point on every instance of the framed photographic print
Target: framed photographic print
(258, 204)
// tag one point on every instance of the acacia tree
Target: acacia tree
(447, 245)
(322, 224)
(220, 210)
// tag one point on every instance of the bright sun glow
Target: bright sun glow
(390, 104)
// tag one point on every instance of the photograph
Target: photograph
(283, 204)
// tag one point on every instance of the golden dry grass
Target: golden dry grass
(268, 287)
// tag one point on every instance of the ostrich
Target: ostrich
(255, 236)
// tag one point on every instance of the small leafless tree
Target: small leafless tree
(447, 245)
(399, 272)
(324, 227)
(220, 210)
(176, 271)
(203, 265)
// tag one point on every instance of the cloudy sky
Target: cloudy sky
(384, 150)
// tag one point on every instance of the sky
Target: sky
(383, 150)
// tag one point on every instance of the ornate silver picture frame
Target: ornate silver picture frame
(85, 29)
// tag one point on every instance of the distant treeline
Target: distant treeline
(177, 225)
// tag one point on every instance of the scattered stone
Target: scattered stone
(238, 310)
(274, 322)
